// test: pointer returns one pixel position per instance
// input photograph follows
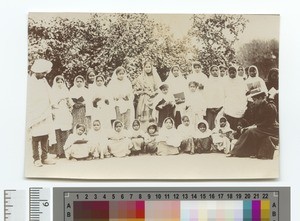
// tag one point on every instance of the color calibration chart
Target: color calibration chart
(172, 204)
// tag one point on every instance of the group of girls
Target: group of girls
(195, 114)
(120, 142)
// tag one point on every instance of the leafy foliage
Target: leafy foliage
(103, 42)
(216, 35)
(263, 54)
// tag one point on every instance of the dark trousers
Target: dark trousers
(61, 137)
(44, 147)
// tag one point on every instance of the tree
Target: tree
(263, 54)
(216, 35)
(103, 42)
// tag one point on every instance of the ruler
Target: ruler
(39, 204)
(192, 203)
(85, 204)
(14, 205)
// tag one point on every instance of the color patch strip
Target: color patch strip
(241, 210)
(247, 210)
(162, 210)
(211, 210)
(127, 210)
(256, 210)
(265, 210)
(91, 210)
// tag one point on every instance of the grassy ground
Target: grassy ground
(183, 166)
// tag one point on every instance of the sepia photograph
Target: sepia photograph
(123, 96)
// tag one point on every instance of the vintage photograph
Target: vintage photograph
(152, 96)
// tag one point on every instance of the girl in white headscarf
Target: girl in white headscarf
(214, 95)
(241, 72)
(137, 136)
(61, 110)
(79, 96)
(101, 103)
(197, 76)
(195, 105)
(77, 146)
(186, 131)
(97, 139)
(168, 139)
(222, 135)
(146, 88)
(235, 102)
(202, 138)
(119, 144)
(255, 82)
(178, 87)
(120, 89)
(90, 78)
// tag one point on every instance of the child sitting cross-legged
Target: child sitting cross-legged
(202, 138)
(186, 131)
(137, 137)
(150, 139)
(222, 135)
(97, 139)
(76, 146)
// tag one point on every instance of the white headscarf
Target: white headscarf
(118, 89)
(235, 102)
(218, 128)
(200, 78)
(186, 131)
(244, 76)
(118, 135)
(57, 94)
(174, 82)
(214, 92)
(98, 91)
(200, 134)
(77, 92)
(75, 137)
(143, 80)
(256, 81)
(170, 136)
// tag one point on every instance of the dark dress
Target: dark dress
(163, 113)
(261, 141)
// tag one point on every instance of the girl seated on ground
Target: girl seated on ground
(168, 139)
(98, 140)
(186, 131)
(202, 138)
(77, 147)
(150, 139)
(137, 137)
(119, 144)
(222, 135)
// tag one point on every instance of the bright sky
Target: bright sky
(263, 27)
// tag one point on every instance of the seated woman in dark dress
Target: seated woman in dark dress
(259, 140)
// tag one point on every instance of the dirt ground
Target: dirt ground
(146, 167)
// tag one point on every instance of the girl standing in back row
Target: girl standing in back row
(61, 110)
(120, 90)
(146, 88)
